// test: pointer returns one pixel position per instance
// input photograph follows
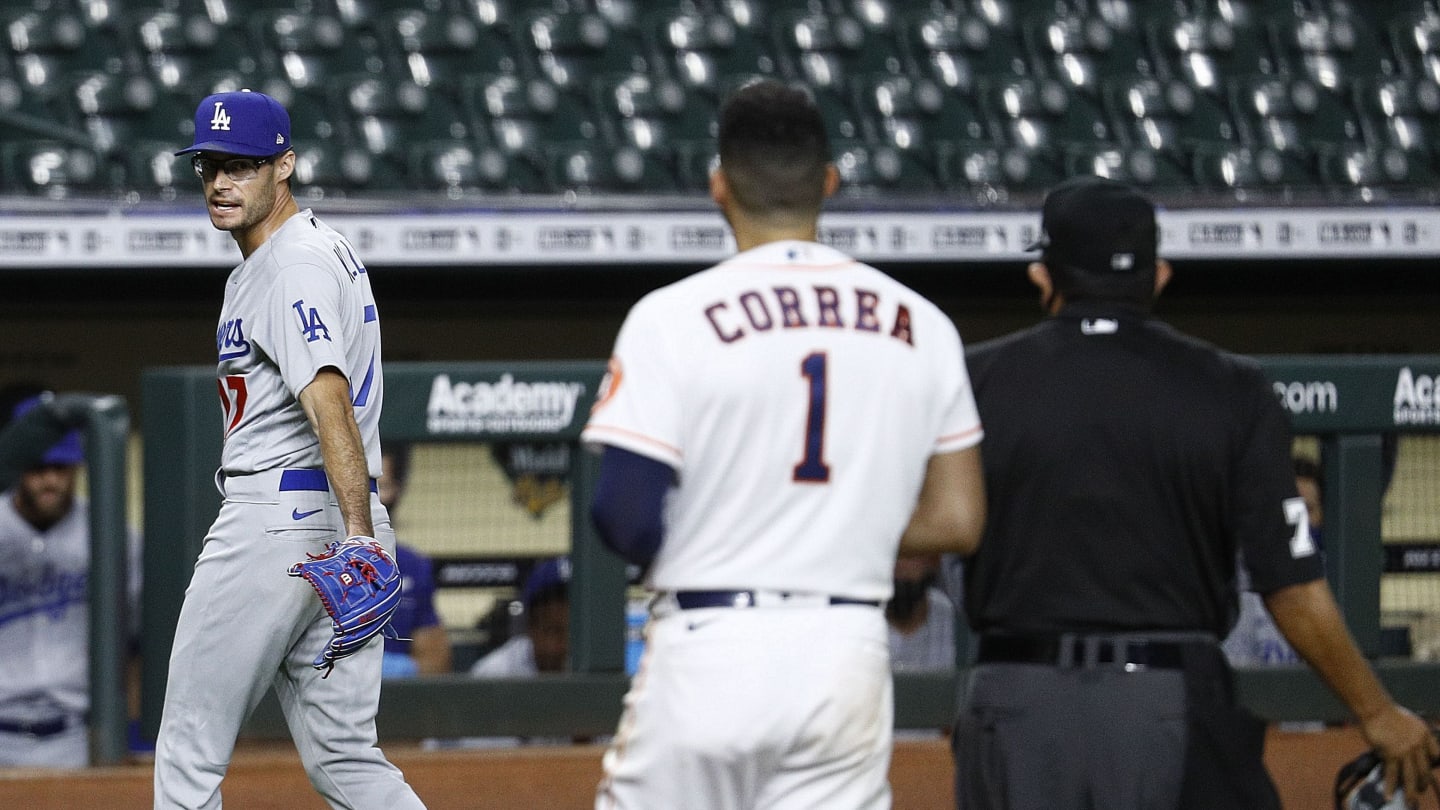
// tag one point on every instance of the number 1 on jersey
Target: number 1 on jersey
(812, 467)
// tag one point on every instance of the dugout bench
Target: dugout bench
(1348, 403)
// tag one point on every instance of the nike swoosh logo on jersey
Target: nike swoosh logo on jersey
(296, 514)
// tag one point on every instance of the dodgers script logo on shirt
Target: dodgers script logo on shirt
(221, 119)
(230, 339)
(50, 594)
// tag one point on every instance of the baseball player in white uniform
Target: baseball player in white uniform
(301, 388)
(45, 611)
(771, 429)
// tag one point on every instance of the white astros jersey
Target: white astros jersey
(299, 303)
(799, 395)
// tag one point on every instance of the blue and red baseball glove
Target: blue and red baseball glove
(358, 583)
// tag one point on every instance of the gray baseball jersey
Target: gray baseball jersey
(301, 302)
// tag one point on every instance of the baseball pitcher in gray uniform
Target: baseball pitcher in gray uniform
(300, 386)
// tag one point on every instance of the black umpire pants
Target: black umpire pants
(1106, 723)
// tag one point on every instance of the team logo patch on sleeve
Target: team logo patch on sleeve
(609, 384)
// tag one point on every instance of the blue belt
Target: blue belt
(692, 600)
(310, 481)
(36, 728)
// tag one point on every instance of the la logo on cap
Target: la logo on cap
(221, 119)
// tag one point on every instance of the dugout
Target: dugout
(1343, 407)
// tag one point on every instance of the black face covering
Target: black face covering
(910, 594)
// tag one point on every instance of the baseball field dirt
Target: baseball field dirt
(269, 777)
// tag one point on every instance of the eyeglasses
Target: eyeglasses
(240, 170)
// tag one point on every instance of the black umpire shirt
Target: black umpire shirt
(1125, 464)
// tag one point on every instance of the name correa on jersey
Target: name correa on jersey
(503, 406)
(763, 310)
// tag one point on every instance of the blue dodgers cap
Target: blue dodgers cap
(68, 451)
(553, 573)
(240, 123)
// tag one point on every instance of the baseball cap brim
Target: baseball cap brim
(225, 148)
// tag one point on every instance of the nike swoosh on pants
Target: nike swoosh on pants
(296, 514)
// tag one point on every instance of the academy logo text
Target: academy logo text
(1417, 398)
(502, 406)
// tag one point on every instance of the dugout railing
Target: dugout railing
(1348, 403)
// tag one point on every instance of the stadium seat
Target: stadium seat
(1332, 44)
(178, 47)
(1211, 43)
(1292, 114)
(513, 173)
(49, 47)
(1083, 51)
(53, 170)
(956, 49)
(1039, 113)
(693, 164)
(916, 115)
(1167, 114)
(1416, 43)
(1139, 166)
(652, 112)
(388, 115)
(119, 110)
(151, 167)
(989, 173)
(309, 50)
(586, 168)
(437, 48)
(1004, 52)
(230, 14)
(568, 49)
(1168, 118)
(835, 46)
(1243, 168)
(869, 170)
(702, 50)
(1403, 113)
(523, 115)
(1364, 169)
(327, 170)
(445, 165)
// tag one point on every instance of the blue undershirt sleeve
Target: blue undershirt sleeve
(629, 503)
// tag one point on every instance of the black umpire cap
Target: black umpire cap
(1099, 239)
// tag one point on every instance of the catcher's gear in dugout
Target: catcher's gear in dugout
(1360, 784)
(358, 583)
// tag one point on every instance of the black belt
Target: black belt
(48, 727)
(1110, 651)
(691, 600)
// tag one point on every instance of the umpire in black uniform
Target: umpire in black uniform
(1125, 466)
